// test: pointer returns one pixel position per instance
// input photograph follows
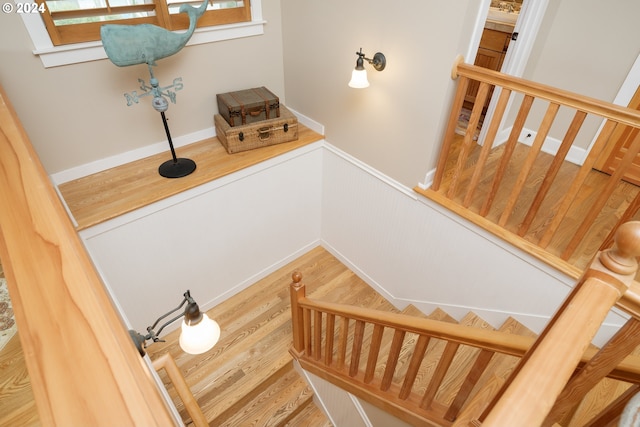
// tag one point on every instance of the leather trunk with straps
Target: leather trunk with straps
(248, 106)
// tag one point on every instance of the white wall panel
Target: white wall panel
(221, 237)
(214, 240)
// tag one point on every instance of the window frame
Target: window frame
(54, 56)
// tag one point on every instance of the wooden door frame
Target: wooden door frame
(517, 55)
(624, 96)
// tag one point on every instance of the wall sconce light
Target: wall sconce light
(359, 74)
(199, 332)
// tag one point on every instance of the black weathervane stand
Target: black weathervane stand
(176, 167)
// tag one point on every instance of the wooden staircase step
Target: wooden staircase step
(243, 373)
(309, 416)
(502, 365)
(462, 362)
(432, 354)
(437, 314)
(479, 402)
(497, 372)
(274, 405)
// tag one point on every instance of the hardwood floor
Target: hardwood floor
(622, 196)
(17, 405)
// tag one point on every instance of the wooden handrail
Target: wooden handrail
(515, 345)
(83, 367)
(572, 329)
(541, 222)
(624, 115)
(542, 375)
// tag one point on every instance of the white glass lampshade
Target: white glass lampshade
(201, 337)
(359, 79)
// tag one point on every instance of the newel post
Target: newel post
(531, 394)
(297, 291)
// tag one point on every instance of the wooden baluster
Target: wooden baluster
(357, 348)
(306, 316)
(414, 366)
(553, 170)
(450, 132)
(297, 292)
(317, 335)
(578, 181)
(478, 368)
(627, 216)
(570, 334)
(374, 351)
(596, 208)
(468, 139)
(392, 359)
(443, 366)
(510, 146)
(609, 356)
(328, 348)
(487, 145)
(543, 131)
(342, 343)
(167, 363)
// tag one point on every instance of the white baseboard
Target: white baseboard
(129, 156)
(152, 149)
(576, 155)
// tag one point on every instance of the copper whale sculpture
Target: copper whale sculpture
(146, 43)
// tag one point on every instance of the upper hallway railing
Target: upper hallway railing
(407, 365)
(558, 212)
(83, 367)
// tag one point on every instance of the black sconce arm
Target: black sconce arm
(379, 62)
(191, 313)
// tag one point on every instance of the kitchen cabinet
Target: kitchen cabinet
(493, 46)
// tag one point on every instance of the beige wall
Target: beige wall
(76, 114)
(587, 47)
(395, 124)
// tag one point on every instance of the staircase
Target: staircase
(249, 379)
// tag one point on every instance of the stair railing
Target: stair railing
(83, 367)
(464, 183)
(542, 386)
(378, 356)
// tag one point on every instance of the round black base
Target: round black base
(177, 169)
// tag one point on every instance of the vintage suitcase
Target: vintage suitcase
(248, 106)
(256, 135)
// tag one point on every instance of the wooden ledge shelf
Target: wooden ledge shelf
(108, 194)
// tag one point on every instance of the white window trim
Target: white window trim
(54, 56)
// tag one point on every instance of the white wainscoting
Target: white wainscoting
(219, 238)
(214, 240)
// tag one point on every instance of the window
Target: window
(74, 37)
(75, 21)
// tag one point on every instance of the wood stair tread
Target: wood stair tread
(463, 360)
(276, 404)
(309, 416)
